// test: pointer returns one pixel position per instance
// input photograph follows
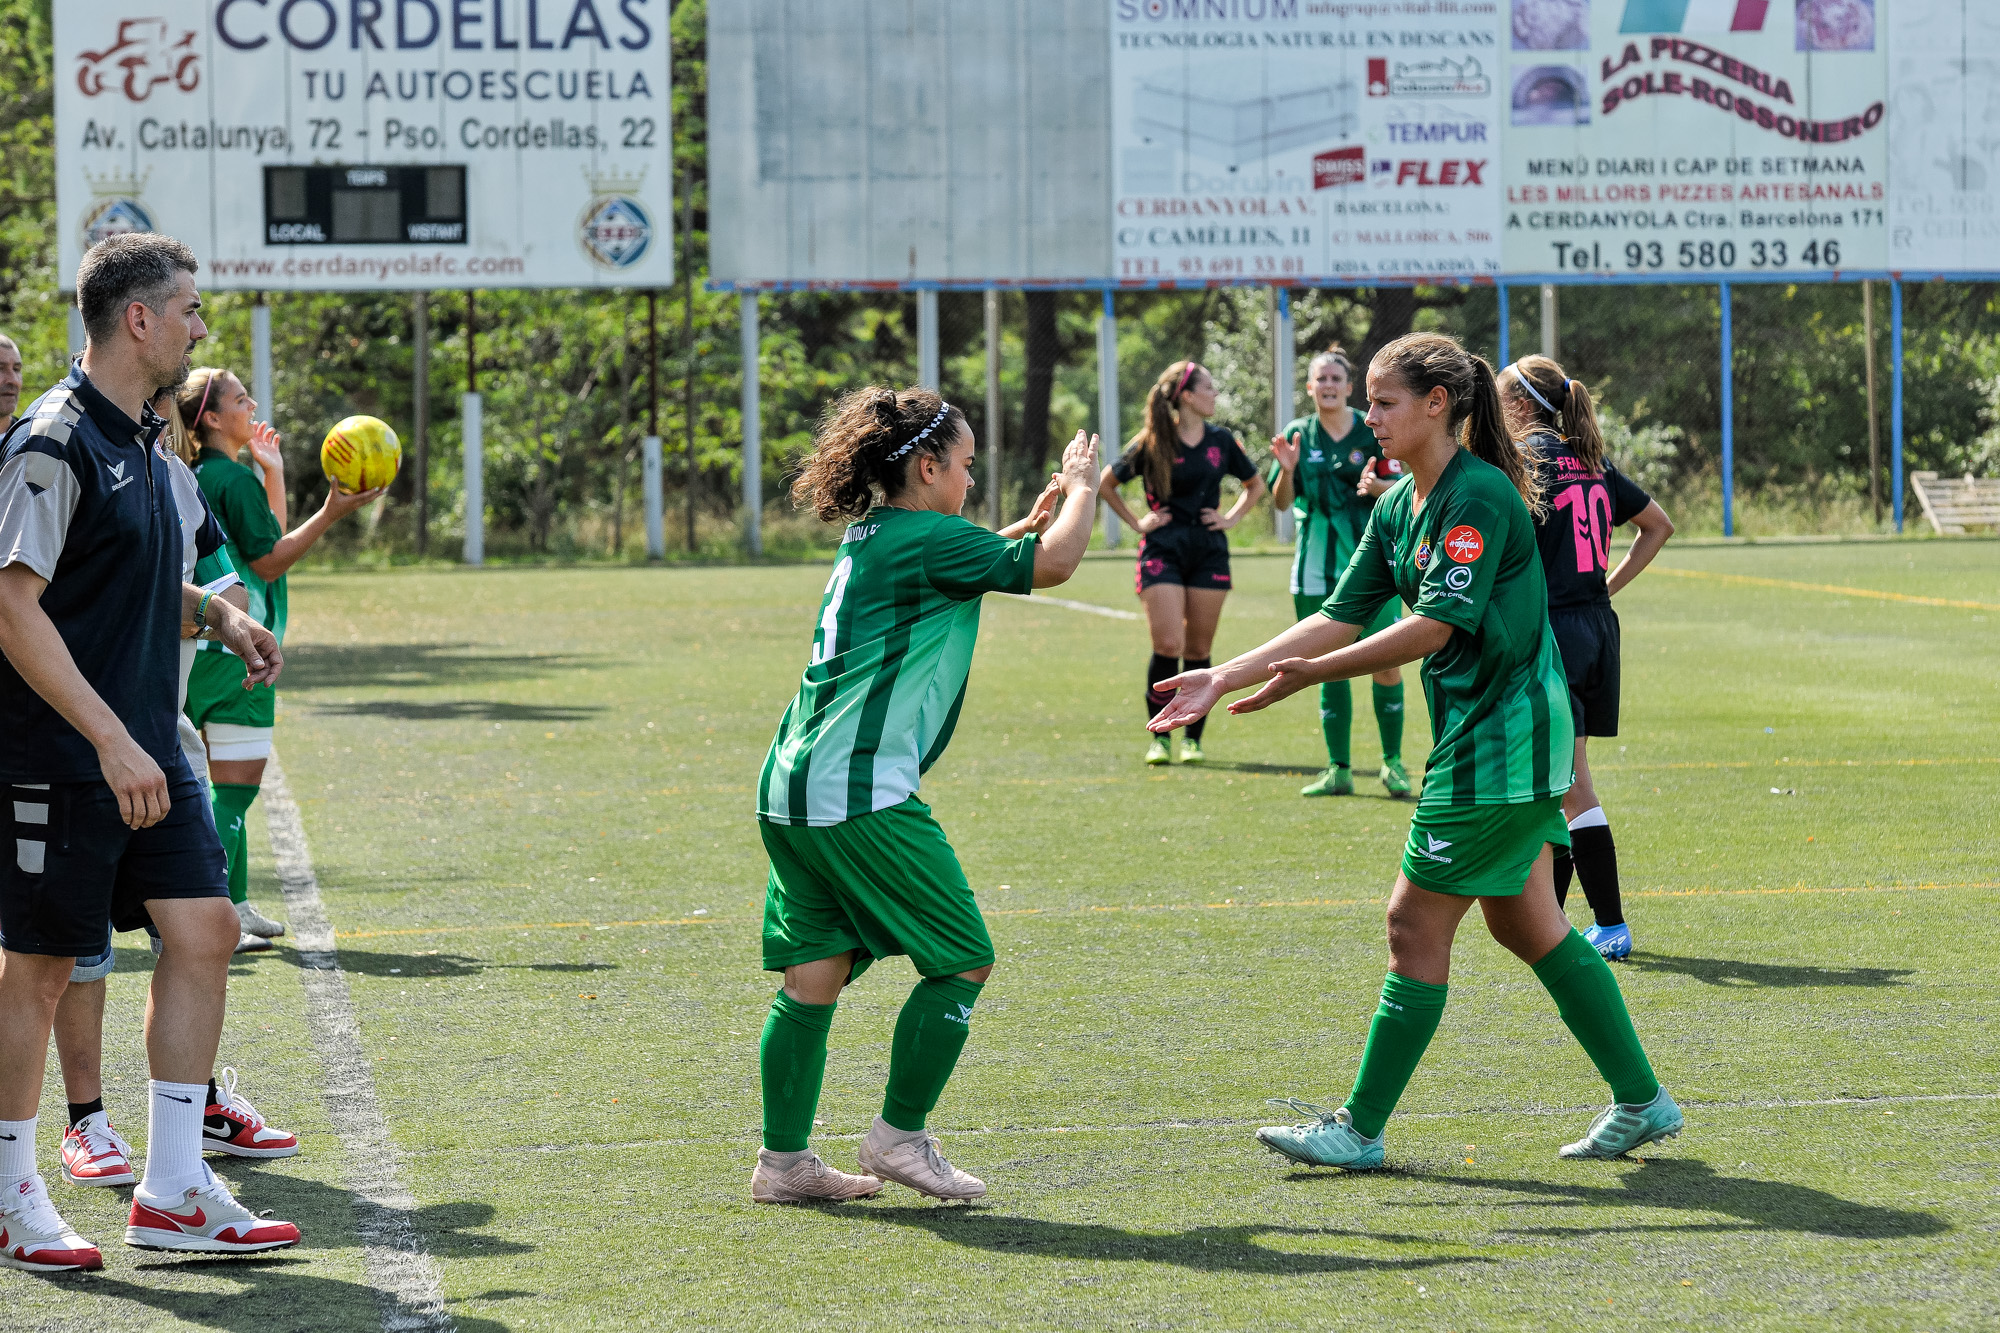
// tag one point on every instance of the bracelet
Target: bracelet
(201, 614)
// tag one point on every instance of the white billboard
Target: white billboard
(372, 144)
(1297, 140)
(1944, 99)
(1698, 136)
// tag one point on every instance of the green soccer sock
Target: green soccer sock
(232, 804)
(1587, 997)
(930, 1032)
(792, 1059)
(1389, 718)
(1404, 1024)
(1336, 719)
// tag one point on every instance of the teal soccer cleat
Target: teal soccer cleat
(1327, 1139)
(1620, 1128)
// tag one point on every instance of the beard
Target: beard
(176, 375)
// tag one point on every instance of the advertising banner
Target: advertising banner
(1305, 140)
(1944, 101)
(369, 144)
(1710, 136)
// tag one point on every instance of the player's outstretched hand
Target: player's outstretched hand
(136, 780)
(1287, 678)
(1285, 448)
(339, 503)
(1079, 465)
(1197, 691)
(1043, 512)
(265, 447)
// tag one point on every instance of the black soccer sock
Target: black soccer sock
(1564, 868)
(1596, 859)
(1157, 670)
(78, 1110)
(1196, 727)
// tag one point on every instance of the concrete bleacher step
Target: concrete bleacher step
(1956, 503)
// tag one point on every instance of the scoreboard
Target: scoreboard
(364, 205)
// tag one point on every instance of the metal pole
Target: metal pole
(993, 418)
(420, 414)
(471, 417)
(77, 336)
(687, 344)
(1107, 401)
(753, 438)
(927, 338)
(1728, 419)
(652, 470)
(1549, 321)
(1896, 401)
(1506, 326)
(1874, 425)
(260, 357)
(1284, 359)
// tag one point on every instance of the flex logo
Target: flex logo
(1464, 544)
(146, 55)
(118, 470)
(1453, 171)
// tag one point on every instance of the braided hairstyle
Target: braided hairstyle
(865, 445)
(1573, 418)
(1425, 361)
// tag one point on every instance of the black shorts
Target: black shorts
(78, 870)
(1587, 638)
(1184, 556)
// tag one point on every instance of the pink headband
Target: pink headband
(204, 400)
(1186, 375)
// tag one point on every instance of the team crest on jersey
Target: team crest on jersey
(1214, 455)
(1464, 544)
(1423, 555)
(1356, 457)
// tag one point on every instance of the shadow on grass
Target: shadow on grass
(1210, 1249)
(1693, 1185)
(319, 666)
(435, 964)
(460, 710)
(1730, 972)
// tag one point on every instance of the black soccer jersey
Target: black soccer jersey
(1574, 536)
(87, 501)
(1197, 476)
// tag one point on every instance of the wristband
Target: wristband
(201, 614)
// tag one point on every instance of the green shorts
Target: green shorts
(886, 883)
(1481, 851)
(1305, 604)
(216, 693)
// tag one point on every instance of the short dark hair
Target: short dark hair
(118, 270)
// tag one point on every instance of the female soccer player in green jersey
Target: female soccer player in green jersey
(859, 869)
(1323, 467)
(1455, 540)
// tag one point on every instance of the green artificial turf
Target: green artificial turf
(528, 796)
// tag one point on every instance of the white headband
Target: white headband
(1529, 385)
(943, 412)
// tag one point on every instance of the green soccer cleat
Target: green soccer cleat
(1336, 781)
(1327, 1139)
(1157, 752)
(1191, 751)
(1620, 1128)
(1395, 777)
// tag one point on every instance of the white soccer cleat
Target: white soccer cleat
(34, 1236)
(914, 1160)
(248, 943)
(206, 1218)
(783, 1177)
(93, 1153)
(256, 923)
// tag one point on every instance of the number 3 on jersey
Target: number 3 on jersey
(824, 643)
(1592, 530)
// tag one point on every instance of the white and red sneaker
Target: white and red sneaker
(93, 1153)
(34, 1236)
(205, 1217)
(231, 1125)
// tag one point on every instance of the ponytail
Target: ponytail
(1558, 403)
(864, 448)
(1158, 439)
(1426, 361)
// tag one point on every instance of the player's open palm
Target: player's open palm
(339, 503)
(1197, 691)
(266, 447)
(1288, 677)
(1043, 511)
(1285, 448)
(1079, 463)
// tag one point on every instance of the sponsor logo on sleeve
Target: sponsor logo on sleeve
(1457, 578)
(1464, 544)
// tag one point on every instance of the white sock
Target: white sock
(17, 1150)
(1591, 818)
(173, 1139)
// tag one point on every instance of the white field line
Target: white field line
(405, 1278)
(1089, 608)
(1278, 1114)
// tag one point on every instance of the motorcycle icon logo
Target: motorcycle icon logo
(147, 59)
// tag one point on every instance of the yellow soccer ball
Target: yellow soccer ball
(360, 454)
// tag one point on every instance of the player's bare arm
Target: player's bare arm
(1410, 639)
(291, 547)
(1061, 548)
(1284, 448)
(1040, 514)
(1654, 528)
(234, 628)
(1253, 491)
(29, 639)
(1200, 690)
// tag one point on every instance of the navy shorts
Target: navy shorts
(1193, 559)
(78, 871)
(1587, 638)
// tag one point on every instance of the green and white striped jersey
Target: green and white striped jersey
(1329, 514)
(1501, 731)
(886, 678)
